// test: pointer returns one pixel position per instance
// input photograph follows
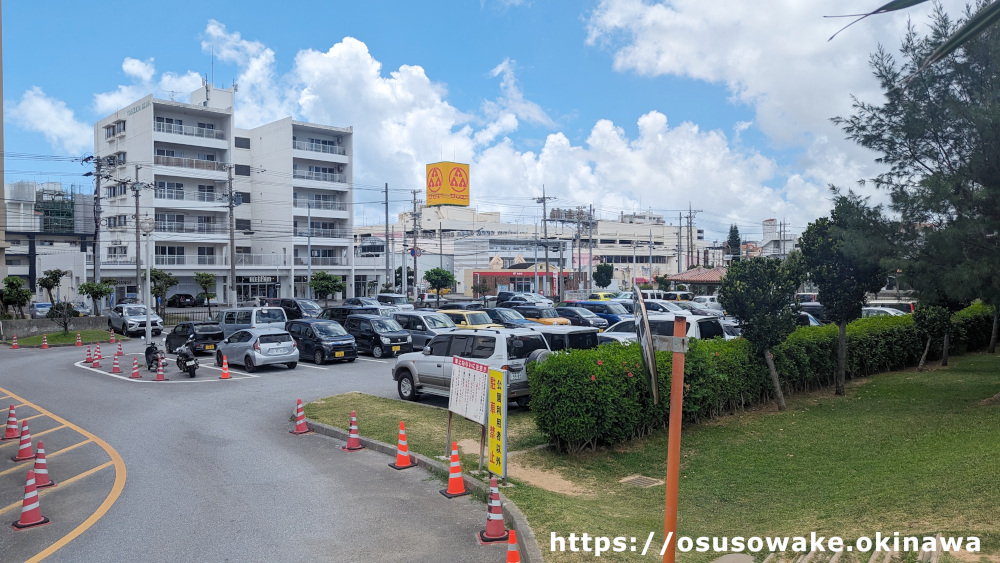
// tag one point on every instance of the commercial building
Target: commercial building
(289, 184)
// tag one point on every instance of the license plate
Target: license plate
(516, 375)
(338, 354)
(278, 351)
(395, 348)
(210, 346)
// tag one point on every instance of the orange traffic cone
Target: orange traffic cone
(45, 342)
(31, 510)
(78, 341)
(225, 368)
(135, 369)
(97, 362)
(89, 358)
(14, 345)
(119, 352)
(495, 530)
(112, 338)
(24, 452)
(11, 432)
(42, 469)
(403, 460)
(159, 371)
(353, 440)
(456, 484)
(97, 352)
(513, 555)
(300, 420)
(114, 366)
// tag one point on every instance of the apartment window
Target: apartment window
(244, 196)
(243, 249)
(171, 221)
(243, 225)
(206, 224)
(109, 131)
(206, 156)
(119, 127)
(169, 120)
(117, 252)
(242, 142)
(119, 158)
(325, 253)
(13, 261)
(169, 250)
(322, 169)
(206, 126)
(168, 190)
(241, 170)
(206, 255)
(206, 192)
(168, 152)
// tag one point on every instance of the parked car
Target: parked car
(39, 310)
(601, 296)
(395, 300)
(678, 296)
(429, 371)
(509, 318)
(131, 319)
(128, 301)
(341, 313)
(180, 300)
(378, 336)
(542, 315)
(703, 327)
(82, 308)
(805, 319)
(568, 337)
(470, 319)
(578, 316)
(880, 312)
(662, 306)
(242, 318)
(300, 308)
(698, 309)
(807, 297)
(708, 302)
(200, 300)
(607, 310)
(255, 347)
(525, 299)
(321, 340)
(207, 336)
(814, 308)
(361, 302)
(465, 305)
(423, 325)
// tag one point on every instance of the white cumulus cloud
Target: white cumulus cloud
(52, 118)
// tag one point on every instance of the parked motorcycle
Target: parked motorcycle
(154, 354)
(185, 357)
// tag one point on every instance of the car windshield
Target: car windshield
(583, 312)
(42, 305)
(309, 305)
(509, 315)
(385, 325)
(394, 299)
(438, 321)
(270, 316)
(329, 329)
(616, 309)
(207, 328)
(519, 347)
(135, 311)
(548, 313)
(366, 301)
(478, 319)
(670, 306)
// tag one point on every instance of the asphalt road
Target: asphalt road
(211, 473)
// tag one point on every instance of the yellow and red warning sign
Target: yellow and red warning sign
(447, 184)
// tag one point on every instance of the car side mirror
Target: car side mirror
(426, 351)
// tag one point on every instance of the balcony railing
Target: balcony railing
(305, 203)
(113, 261)
(316, 147)
(323, 233)
(163, 260)
(182, 260)
(184, 195)
(190, 163)
(181, 227)
(317, 176)
(322, 261)
(189, 130)
(260, 260)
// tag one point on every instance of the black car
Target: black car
(341, 313)
(362, 302)
(509, 318)
(180, 300)
(207, 336)
(321, 340)
(378, 335)
(300, 308)
(578, 316)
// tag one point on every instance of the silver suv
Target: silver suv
(429, 371)
(128, 319)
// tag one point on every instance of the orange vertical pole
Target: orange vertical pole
(674, 443)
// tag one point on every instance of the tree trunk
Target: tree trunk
(774, 379)
(841, 358)
(996, 325)
(923, 358)
(944, 352)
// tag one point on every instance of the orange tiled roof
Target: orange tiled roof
(699, 274)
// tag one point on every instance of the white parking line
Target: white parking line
(376, 361)
(182, 377)
(301, 365)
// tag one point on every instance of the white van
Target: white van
(241, 318)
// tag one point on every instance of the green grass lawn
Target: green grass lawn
(58, 337)
(914, 453)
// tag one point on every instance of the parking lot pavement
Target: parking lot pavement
(213, 473)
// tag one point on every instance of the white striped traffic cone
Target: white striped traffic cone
(24, 452)
(495, 530)
(353, 439)
(115, 368)
(11, 431)
(159, 371)
(403, 460)
(135, 369)
(31, 510)
(300, 420)
(119, 352)
(42, 469)
(456, 484)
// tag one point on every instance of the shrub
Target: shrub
(589, 398)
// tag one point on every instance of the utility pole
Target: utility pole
(680, 248)
(416, 251)
(579, 249)
(232, 240)
(138, 262)
(402, 269)
(387, 234)
(440, 245)
(309, 254)
(650, 278)
(590, 248)
(535, 246)
(559, 283)
(545, 225)
(97, 221)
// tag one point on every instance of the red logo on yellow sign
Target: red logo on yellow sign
(447, 184)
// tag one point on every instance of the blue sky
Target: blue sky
(624, 104)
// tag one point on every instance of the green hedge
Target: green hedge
(587, 398)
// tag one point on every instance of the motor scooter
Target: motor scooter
(154, 354)
(185, 357)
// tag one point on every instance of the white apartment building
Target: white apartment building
(292, 190)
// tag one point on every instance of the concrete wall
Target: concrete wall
(32, 327)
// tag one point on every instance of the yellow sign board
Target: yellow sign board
(447, 184)
(496, 423)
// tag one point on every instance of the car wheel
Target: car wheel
(291, 365)
(248, 364)
(218, 359)
(170, 349)
(407, 391)
(523, 402)
(156, 333)
(377, 352)
(319, 357)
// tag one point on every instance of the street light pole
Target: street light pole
(147, 225)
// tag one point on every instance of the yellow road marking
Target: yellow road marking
(31, 417)
(47, 457)
(116, 489)
(42, 492)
